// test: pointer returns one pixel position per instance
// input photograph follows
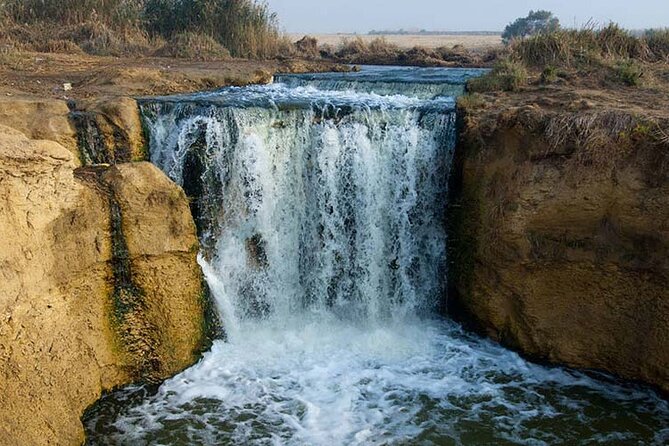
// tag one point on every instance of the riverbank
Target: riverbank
(79, 76)
(559, 224)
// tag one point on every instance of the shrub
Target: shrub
(549, 75)
(352, 47)
(629, 72)
(471, 101)
(588, 46)
(307, 46)
(95, 37)
(381, 48)
(190, 45)
(246, 28)
(658, 43)
(507, 75)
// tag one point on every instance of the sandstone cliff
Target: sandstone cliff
(99, 286)
(559, 229)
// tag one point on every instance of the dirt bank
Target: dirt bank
(43, 75)
(560, 226)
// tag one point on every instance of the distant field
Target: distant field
(473, 42)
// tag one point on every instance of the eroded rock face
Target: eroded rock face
(560, 241)
(40, 119)
(63, 336)
(160, 237)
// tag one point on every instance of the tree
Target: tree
(536, 22)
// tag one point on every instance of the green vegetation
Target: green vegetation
(536, 22)
(549, 75)
(246, 28)
(243, 28)
(588, 46)
(507, 75)
(629, 72)
(658, 42)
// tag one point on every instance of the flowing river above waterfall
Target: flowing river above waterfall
(321, 205)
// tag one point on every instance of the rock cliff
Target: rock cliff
(559, 236)
(99, 285)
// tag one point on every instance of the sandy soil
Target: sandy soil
(45, 75)
(472, 42)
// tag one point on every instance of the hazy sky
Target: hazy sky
(460, 15)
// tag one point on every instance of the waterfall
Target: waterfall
(321, 205)
(317, 214)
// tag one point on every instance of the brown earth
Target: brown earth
(43, 75)
(560, 225)
(68, 332)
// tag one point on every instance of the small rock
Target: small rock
(67, 86)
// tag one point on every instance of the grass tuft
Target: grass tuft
(507, 75)
(195, 46)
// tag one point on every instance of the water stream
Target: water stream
(321, 203)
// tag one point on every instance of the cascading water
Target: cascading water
(322, 218)
(424, 83)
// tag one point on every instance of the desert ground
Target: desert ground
(472, 42)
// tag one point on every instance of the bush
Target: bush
(549, 75)
(352, 47)
(507, 75)
(658, 43)
(379, 50)
(97, 38)
(307, 46)
(246, 28)
(629, 72)
(589, 47)
(194, 46)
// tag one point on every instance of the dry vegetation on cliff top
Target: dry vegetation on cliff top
(591, 89)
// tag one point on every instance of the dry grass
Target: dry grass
(140, 27)
(610, 55)
(408, 41)
(589, 46)
(195, 47)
